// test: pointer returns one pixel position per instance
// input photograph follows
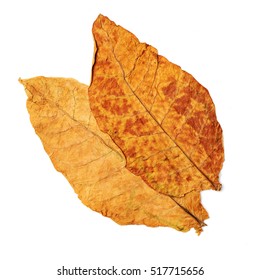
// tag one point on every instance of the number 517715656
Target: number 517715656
(176, 270)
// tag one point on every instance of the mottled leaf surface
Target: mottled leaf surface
(162, 119)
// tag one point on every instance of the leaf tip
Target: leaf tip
(24, 83)
(20, 80)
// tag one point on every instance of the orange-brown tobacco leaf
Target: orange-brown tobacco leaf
(160, 117)
(95, 167)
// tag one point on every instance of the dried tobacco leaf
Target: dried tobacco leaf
(159, 145)
(95, 167)
(161, 118)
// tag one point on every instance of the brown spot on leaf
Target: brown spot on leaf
(119, 107)
(136, 126)
(197, 121)
(170, 90)
(182, 103)
(112, 87)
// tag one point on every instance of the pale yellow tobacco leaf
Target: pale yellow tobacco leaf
(95, 167)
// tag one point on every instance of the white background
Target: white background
(43, 223)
